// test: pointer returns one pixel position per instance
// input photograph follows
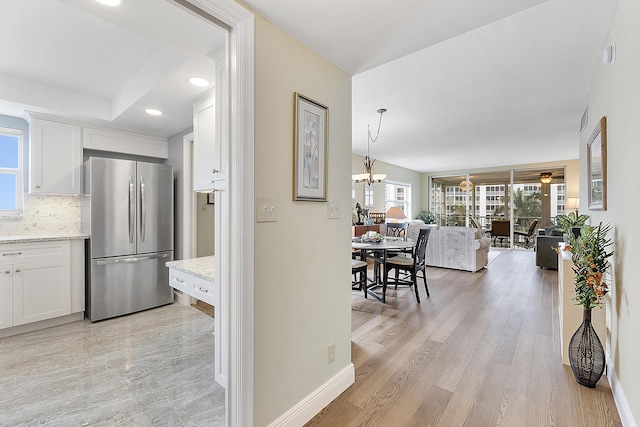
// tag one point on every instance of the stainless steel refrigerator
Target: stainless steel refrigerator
(127, 210)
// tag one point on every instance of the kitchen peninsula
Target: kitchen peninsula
(196, 277)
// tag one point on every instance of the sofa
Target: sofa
(461, 248)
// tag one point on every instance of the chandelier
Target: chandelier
(546, 178)
(368, 176)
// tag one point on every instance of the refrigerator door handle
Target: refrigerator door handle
(132, 209)
(129, 260)
(143, 208)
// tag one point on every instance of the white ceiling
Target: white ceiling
(82, 60)
(467, 84)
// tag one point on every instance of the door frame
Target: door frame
(236, 252)
(188, 199)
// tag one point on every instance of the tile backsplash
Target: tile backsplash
(45, 214)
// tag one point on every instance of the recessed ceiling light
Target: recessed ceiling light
(110, 2)
(153, 112)
(199, 81)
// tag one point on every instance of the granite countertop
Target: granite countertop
(30, 238)
(202, 267)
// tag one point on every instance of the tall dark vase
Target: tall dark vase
(586, 354)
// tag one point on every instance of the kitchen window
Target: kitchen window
(10, 172)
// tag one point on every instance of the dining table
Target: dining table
(379, 252)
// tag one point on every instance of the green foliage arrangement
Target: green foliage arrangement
(427, 217)
(572, 219)
(589, 253)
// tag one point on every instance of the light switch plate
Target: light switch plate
(266, 209)
(333, 209)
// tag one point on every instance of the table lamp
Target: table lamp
(573, 203)
(394, 214)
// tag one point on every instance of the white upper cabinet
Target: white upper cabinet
(55, 153)
(205, 159)
(123, 142)
(210, 142)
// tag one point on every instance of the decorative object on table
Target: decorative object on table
(310, 150)
(597, 167)
(394, 214)
(358, 215)
(378, 217)
(368, 176)
(589, 253)
(372, 237)
(427, 217)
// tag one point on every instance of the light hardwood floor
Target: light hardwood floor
(483, 350)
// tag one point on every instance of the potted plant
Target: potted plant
(427, 217)
(571, 223)
(589, 253)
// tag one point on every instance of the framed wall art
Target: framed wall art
(597, 167)
(311, 139)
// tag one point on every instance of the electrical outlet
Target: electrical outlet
(331, 353)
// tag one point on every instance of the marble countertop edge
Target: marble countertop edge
(203, 267)
(41, 237)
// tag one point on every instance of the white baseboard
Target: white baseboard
(619, 397)
(42, 324)
(308, 407)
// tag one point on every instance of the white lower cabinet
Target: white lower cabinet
(35, 283)
(191, 285)
(6, 297)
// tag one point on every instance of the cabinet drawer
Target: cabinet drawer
(33, 252)
(192, 285)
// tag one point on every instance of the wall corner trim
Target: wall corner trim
(619, 397)
(308, 407)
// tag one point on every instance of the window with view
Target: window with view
(10, 172)
(397, 194)
(368, 196)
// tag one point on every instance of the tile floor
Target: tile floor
(153, 368)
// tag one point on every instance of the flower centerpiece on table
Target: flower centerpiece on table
(372, 237)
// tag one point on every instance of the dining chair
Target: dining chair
(412, 265)
(397, 229)
(359, 273)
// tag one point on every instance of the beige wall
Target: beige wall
(302, 292)
(616, 95)
(395, 174)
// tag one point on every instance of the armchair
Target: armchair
(547, 240)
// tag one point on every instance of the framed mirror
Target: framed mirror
(597, 167)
